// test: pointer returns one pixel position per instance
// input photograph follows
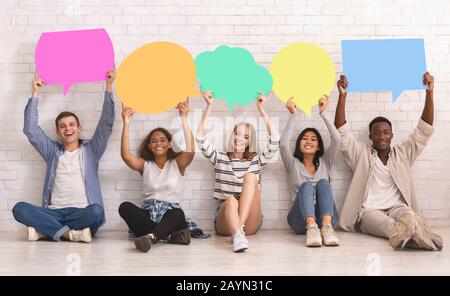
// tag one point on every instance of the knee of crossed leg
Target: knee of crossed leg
(97, 213)
(177, 213)
(123, 208)
(19, 210)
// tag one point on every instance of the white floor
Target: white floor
(272, 252)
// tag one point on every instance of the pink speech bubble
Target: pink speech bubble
(74, 56)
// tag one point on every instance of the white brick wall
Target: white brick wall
(263, 27)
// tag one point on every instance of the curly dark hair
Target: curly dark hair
(146, 154)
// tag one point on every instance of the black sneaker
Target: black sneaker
(143, 243)
(181, 237)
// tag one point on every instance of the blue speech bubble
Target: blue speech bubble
(384, 65)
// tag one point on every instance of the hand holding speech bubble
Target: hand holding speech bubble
(384, 65)
(232, 74)
(156, 77)
(303, 71)
(67, 57)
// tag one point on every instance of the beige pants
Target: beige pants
(381, 222)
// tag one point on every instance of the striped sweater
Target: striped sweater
(230, 172)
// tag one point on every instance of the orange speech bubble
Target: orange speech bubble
(156, 77)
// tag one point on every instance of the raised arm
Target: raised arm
(134, 162)
(207, 149)
(351, 149)
(37, 84)
(105, 124)
(428, 109)
(185, 157)
(36, 136)
(333, 150)
(339, 118)
(260, 104)
(420, 136)
(274, 139)
(285, 150)
(207, 96)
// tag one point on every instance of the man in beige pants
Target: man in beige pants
(381, 198)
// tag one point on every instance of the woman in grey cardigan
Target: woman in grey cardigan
(309, 170)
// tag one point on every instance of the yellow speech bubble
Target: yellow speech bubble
(156, 77)
(303, 71)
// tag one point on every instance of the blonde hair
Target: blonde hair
(250, 150)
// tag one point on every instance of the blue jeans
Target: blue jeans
(304, 207)
(55, 222)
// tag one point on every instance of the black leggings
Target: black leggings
(139, 222)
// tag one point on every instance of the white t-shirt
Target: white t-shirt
(69, 189)
(383, 193)
(162, 184)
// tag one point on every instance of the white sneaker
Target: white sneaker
(80, 235)
(33, 234)
(329, 236)
(313, 237)
(240, 243)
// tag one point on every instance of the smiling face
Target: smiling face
(159, 145)
(241, 138)
(381, 136)
(68, 129)
(309, 144)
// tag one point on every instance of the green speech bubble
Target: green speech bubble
(232, 74)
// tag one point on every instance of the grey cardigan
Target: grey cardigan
(297, 173)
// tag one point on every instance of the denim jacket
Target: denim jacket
(91, 151)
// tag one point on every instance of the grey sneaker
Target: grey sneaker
(425, 237)
(329, 236)
(313, 237)
(143, 243)
(181, 237)
(83, 235)
(240, 243)
(404, 229)
(33, 234)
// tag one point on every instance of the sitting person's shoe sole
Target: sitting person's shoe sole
(403, 232)
(181, 237)
(143, 243)
(425, 237)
